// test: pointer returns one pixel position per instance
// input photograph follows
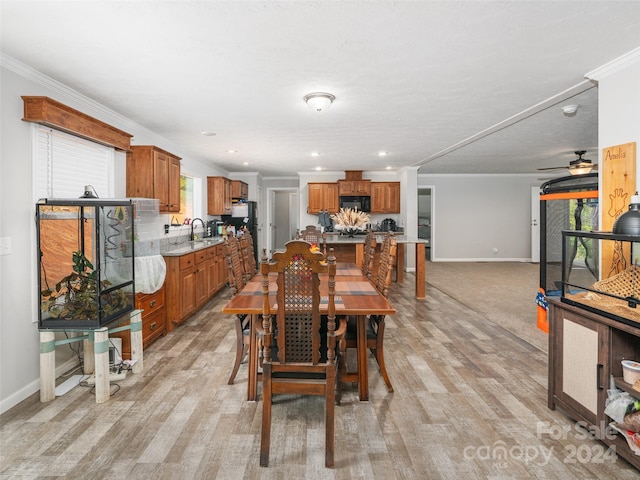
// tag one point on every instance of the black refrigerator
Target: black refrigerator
(245, 215)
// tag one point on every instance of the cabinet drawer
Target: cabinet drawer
(153, 326)
(212, 252)
(150, 303)
(200, 255)
(187, 261)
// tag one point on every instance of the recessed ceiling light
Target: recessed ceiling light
(208, 134)
(388, 167)
(315, 154)
(318, 168)
(383, 154)
(232, 151)
(245, 163)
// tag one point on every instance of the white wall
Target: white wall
(473, 214)
(619, 107)
(19, 339)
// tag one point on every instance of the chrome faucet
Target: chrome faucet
(204, 228)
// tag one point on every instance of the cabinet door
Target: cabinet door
(202, 285)
(228, 195)
(331, 200)
(316, 193)
(187, 292)
(378, 198)
(218, 196)
(173, 174)
(393, 197)
(222, 270)
(161, 179)
(581, 367)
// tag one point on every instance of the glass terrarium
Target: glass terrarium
(86, 262)
(601, 273)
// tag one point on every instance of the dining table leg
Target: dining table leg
(252, 380)
(363, 358)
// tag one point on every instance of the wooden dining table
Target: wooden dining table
(355, 295)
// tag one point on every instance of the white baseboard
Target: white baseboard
(33, 387)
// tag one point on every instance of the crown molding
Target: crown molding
(35, 76)
(614, 66)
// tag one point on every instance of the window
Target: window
(64, 164)
(190, 207)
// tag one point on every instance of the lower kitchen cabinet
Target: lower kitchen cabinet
(192, 279)
(154, 321)
(585, 353)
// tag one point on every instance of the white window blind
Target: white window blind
(64, 164)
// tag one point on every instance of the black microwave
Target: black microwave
(360, 203)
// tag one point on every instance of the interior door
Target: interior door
(535, 224)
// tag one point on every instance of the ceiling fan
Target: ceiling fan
(579, 166)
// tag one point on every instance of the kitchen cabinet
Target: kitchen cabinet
(385, 197)
(154, 321)
(154, 173)
(354, 187)
(239, 189)
(585, 351)
(323, 196)
(192, 279)
(219, 196)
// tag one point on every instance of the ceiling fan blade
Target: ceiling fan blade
(553, 168)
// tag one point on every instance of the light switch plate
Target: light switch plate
(5, 245)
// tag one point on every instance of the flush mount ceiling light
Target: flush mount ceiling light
(570, 110)
(315, 154)
(319, 101)
(383, 154)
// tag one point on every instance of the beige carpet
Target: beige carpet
(503, 292)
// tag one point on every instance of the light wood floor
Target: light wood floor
(469, 402)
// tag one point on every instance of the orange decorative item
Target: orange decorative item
(543, 323)
(314, 248)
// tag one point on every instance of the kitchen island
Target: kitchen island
(351, 250)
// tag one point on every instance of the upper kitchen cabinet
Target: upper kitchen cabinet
(354, 187)
(239, 189)
(154, 173)
(323, 196)
(219, 195)
(385, 197)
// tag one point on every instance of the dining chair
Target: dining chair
(237, 281)
(369, 253)
(311, 234)
(248, 257)
(375, 323)
(302, 359)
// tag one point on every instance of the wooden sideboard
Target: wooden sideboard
(585, 352)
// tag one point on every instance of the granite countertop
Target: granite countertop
(171, 250)
(346, 240)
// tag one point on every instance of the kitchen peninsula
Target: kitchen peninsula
(351, 250)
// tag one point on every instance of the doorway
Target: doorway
(282, 207)
(425, 217)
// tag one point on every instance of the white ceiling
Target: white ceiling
(452, 87)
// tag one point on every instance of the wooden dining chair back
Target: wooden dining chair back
(386, 263)
(303, 357)
(369, 253)
(312, 234)
(237, 281)
(248, 255)
(375, 323)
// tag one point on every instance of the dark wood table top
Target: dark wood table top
(355, 295)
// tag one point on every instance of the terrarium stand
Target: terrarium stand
(96, 357)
